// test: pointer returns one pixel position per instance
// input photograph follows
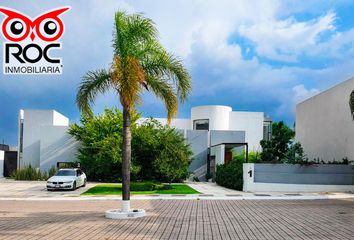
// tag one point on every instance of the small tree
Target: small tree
(174, 158)
(276, 148)
(145, 147)
(100, 153)
(295, 154)
(161, 152)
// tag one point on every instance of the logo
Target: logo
(31, 42)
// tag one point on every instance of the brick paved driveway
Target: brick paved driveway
(28, 189)
(180, 219)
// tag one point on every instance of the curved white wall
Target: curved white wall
(218, 116)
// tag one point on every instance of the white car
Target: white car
(67, 178)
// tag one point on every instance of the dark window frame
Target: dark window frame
(196, 120)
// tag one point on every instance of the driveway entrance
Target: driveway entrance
(28, 189)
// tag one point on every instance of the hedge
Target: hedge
(230, 175)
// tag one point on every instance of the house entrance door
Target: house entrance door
(228, 157)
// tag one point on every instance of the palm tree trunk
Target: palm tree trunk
(126, 158)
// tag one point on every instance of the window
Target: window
(267, 130)
(201, 124)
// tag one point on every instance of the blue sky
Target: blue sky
(251, 55)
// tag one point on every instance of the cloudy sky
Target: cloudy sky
(252, 55)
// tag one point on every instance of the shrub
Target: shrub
(253, 157)
(29, 173)
(52, 171)
(101, 141)
(174, 156)
(148, 186)
(142, 186)
(163, 186)
(161, 152)
(158, 152)
(295, 154)
(230, 175)
(276, 148)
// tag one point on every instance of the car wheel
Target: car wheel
(84, 185)
(74, 185)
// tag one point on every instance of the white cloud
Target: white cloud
(199, 31)
(285, 40)
(301, 93)
(292, 97)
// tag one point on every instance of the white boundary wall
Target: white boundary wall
(249, 184)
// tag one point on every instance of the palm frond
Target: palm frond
(159, 63)
(139, 62)
(132, 32)
(128, 78)
(166, 93)
(93, 83)
(141, 28)
(180, 75)
(120, 25)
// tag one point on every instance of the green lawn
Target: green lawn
(116, 189)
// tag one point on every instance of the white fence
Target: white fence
(297, 178)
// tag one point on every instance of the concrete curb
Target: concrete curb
(194, 197)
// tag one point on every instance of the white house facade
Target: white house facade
(43, 141)
(213, 132)
(325, 126)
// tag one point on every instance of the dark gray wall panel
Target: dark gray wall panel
(304, 174)
(219, 136)
(198, 140)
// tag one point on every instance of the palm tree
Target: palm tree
(139, 63)
(351, 103)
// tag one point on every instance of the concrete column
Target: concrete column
(2, 160)
(248, 177)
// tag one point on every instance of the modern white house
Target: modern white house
(43, 141)
(325, 126)
(213, 132)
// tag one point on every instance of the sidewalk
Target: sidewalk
(215, 191)
(35, 190)
(179, 219)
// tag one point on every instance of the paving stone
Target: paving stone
(179, 219)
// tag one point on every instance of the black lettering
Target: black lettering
(46, 50)
(39, 53)
(8, 46)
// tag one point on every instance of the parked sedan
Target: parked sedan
(67, 178)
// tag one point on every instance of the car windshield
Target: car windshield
(66, 173)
